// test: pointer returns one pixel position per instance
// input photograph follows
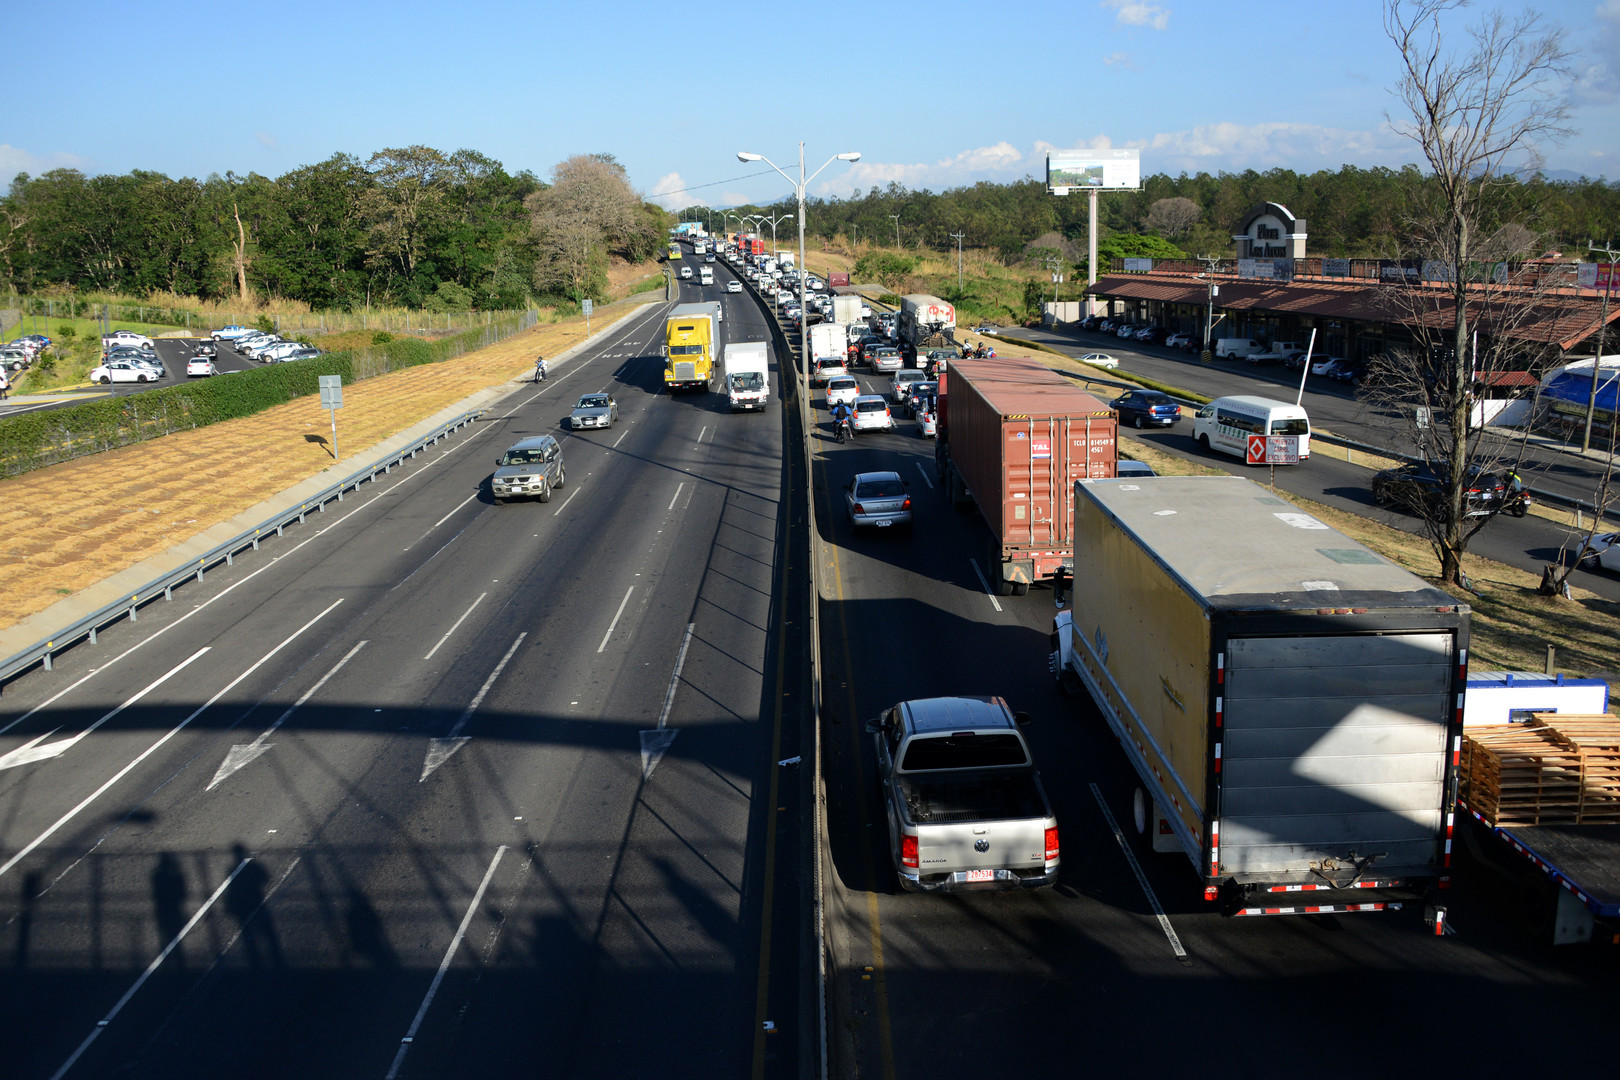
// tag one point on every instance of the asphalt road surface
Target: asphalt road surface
(431, 786)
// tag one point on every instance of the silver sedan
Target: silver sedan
(878, 499)
(594, 411)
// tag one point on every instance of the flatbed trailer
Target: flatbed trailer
(1571, 874)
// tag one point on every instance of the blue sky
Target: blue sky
(933, 95)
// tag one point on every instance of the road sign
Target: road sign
(1257, 449)
(586, 305)
(331, 391)
(1273, 450)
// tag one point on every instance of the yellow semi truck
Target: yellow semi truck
(691, 345)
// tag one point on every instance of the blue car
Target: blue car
(1147, 408)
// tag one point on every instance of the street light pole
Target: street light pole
(804, 323)
(896, 231)
(957, 236)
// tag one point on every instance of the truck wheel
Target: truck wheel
(1142, 814)
(545, 491)
(1203, 443)
(1020, 588)
(1003, 586)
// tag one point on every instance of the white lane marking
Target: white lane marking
(150, 750)
(101, 1025)
(458, 506)
(982, 581)
(454, 626)
(1141, 878)
(439, 750)
(566, 501)
(620, 439)
(242, 753)
(444, 965)
(654, 743)
(437, 552)
(32, 751)
(614, 624)
(672, 500)
(702, 433)
(924, 472)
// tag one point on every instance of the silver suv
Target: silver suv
(530, 469)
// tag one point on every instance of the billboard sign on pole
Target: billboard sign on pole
(1108, 170)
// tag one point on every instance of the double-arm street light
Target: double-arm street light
(798, 191)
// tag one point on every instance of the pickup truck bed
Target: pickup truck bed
(1001, 798)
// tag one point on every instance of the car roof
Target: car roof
(533, 442)
(958, 713)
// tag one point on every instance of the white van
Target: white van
(1259, 430)
(1233, 348)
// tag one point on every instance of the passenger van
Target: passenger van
(1255, 429)
(1236, 348)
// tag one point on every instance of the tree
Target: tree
(1476, 116)
(589, 210)
(1172, 217)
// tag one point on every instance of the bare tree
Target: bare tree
(1477, 116)
(1172, 217)
(589, 210)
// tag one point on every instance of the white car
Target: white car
(121, 372)
(125, 337)
(1100, 359)
(871, 414)
(1323, 365)
(1178, 341)
(200, 365)
(1604, 550)
(686, 273)
(733, 286)
(279, 351)
(842, 388)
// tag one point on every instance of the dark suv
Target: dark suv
(1418, 488)
(530, 469)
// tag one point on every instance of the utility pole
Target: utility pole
(1209, 261)
(1053, 263)
(896, 231)
(1597, 357)
(957, 236)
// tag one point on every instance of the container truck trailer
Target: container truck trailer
(1290, 702)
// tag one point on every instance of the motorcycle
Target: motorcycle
(844, 429)
(1518, 503)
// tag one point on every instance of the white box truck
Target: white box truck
(705, 275)
(846, 310)
(828, 339)
(748, 379)
(1291, 703)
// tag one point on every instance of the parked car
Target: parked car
(986, 328)
(200, 366)
(531, 468)
(1178, 341)
(303, 353)
(233, 332)
(1418, 488)
(279, 351)
(117, 372)
(1604, 551)
(125, 337)
(1125, 468)
(1321, 365)
(871, 413)
(1147, 408)
(15, 359)
(204, 348)
(1100, 359)
(877, 499)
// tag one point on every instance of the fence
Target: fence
(41, 310)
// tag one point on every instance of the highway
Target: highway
(435, 787)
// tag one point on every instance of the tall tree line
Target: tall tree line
(1349, 213)
(409, 226)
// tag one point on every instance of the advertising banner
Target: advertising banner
(1602, 276)
(1117, 170)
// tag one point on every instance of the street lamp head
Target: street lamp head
(853, 155)
(743, 155)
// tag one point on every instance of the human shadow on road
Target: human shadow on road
(244, 900)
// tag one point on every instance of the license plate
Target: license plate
(884, 524)
(981, 875)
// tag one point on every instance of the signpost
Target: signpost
(332, 398)
(585, 305)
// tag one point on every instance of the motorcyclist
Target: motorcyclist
(841, 417)
(540, 368)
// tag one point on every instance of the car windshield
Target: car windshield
(593, 401)
(523, 457)
(748, 380)
(889, 487)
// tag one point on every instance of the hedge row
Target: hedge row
(36, 439)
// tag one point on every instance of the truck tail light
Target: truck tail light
(1051, 844)
(908, 850)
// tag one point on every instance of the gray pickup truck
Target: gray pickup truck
(964, 803)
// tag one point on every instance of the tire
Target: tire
(545, 491)
(106, 380)
(1003, 587)
(1203, 443)
(1142, 814)
(497, 500)
(1138, 422)
(562, 476)
(1020, 588)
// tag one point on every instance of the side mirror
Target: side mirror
(874, 727)
(1022, 719)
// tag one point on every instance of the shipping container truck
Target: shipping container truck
(748, 379)
(1290, 702)
(837, 280)
(1013, 438)
(921, 317)
(691, 341)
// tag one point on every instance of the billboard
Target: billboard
(1109, 170)
(1597, 276)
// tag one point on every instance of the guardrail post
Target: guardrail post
(255, 541)
(134, 612)
(199, 574)
(340, 494)
(228, 560)
(279, 526)
(93, 640)
(47, 661)
(168, 592)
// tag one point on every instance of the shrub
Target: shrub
(67, 332)
(381, 337)
(266, 323)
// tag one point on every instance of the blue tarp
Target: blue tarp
(1575, 387)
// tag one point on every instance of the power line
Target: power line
(700, 187)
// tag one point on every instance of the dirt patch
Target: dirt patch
(69, 526)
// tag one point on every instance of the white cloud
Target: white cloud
(1211, 147)
(980, 163)
(1136, 13)
(1597, 82)
(670, 192)
(267, 140)
(1119, 59)
(14, 160)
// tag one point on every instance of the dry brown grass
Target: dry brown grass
(66, 527)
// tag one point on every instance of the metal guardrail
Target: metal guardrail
(130, 604)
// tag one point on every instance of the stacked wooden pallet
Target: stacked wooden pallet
(1557, 770)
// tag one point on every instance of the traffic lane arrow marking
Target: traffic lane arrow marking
(32, 751)
(441, 750)
(242, 754)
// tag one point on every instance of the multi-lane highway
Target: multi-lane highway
(435, 787)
